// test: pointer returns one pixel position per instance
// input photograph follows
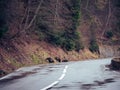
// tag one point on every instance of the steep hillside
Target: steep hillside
(100, 22)
(33, 30)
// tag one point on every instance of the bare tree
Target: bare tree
(25, 24)
(108, 19)
(56, 17)
(35, 15)
(87, 4)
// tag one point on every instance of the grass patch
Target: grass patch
(14, 62)
(36, 59)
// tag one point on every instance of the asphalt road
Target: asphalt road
(82, 75)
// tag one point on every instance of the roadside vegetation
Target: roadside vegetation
(3, 24)
(69, 38)
(117, 29)
(93, 47)
(33, 30)
(109, 34)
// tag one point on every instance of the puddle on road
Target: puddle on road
(96, 83)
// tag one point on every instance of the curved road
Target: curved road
(82, 75)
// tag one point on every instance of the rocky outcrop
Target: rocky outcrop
(2, 73)
(115, 64)
(57, 59)
(50, 60)
(109, 51)
(65, 60)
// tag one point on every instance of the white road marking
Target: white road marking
(56, 82)
(66, 66)
(62, 76)
(51, 85)
(65, 70)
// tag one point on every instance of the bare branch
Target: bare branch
(20, 26)
(56, 14)
(34, 17)
(87, 4)
(108, 19)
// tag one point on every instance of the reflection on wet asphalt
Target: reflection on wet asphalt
(82, 75)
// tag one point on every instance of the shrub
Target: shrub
(69, 45)
(75, 13)
(66, 41)
(3, 25)
(55, 38)
(94, 46)
(3, 30)
(69, 39)
(41, 35)
(109, 34)
(79, 46)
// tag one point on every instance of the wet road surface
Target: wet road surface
(82, 75)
